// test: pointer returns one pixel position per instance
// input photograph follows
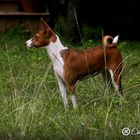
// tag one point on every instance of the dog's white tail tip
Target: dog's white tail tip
(115, 40)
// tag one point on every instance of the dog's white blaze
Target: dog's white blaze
(113, 81)
(115, 40)
(54, 49)
(29, 43)
(74, 101)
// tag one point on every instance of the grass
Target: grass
(31, 106)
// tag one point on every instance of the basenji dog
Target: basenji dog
(71, 65)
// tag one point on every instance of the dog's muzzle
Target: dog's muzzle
(28, 43)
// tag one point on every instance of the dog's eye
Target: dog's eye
(36, 38)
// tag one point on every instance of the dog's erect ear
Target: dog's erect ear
(44, 26)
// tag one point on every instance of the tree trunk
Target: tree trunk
(74, 25)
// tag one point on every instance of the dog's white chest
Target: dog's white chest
(58, 64)
(54, 50)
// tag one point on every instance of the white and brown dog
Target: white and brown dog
(72, 65)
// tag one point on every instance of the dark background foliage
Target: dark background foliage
(118, 16)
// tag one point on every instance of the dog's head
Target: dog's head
(43, 37)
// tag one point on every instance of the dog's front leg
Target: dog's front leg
(63, 90)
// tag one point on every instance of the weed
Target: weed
(31, 107)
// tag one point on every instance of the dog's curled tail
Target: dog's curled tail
(109, 41)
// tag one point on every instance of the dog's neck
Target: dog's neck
(54, 48)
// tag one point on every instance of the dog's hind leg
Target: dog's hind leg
(107, 78)
(116, 80)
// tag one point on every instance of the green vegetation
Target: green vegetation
(31, 107)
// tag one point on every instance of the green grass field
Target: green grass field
(31, 106)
